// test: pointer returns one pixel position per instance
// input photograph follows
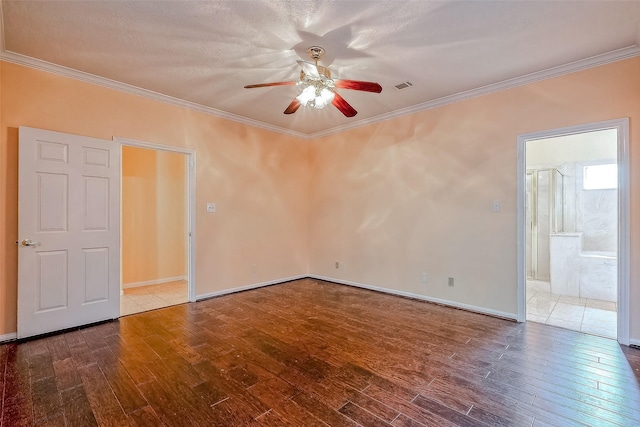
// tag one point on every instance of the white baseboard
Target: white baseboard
(468, 307)
(153, 282)
(448, 303)
(8, 337)
(248, 287)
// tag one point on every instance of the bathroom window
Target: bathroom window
(600, 177)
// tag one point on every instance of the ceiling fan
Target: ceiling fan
(319, 87)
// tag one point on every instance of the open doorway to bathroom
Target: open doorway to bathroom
(571, 231)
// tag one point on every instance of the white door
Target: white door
(68, 230)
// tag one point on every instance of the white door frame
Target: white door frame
(191, 200)
(622, 126)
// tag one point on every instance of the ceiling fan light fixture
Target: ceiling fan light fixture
(325, 98)
(307, 95)
(316, 96)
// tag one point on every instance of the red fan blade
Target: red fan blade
(270, 84)
(344, 106)
(358, 85)
(293, 107)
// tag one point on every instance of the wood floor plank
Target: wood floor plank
(271, 390)
(145, 417)
(411, 410)
(54, 421)
(323, 412)
(138, 369)
(82, 355)
(377, 408)
(104, 403)
(313, 353)
(242, 402)
(231, 412)
(404, 421)
(166, 405)
(362, 416)
(459, 418)
(584, 413)
(41, 366)
(3, 371)
(17, 407)
(46, 400)
(77, 409)
(124, 388)
(296, 415)
(58, 348)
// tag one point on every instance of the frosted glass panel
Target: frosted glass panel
(558, 202)
(600, 177)
(544, 215)
(543, 224)
(528, 231)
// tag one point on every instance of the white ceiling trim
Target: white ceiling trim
(616, 55)
(39, 64)
(572, 67)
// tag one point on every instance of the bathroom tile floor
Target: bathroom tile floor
(145, 298)
(590, 316)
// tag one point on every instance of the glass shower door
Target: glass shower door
(542, 224)
(544, 216)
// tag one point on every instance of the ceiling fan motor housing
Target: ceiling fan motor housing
(316, 52)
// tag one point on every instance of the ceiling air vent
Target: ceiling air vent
(404, 85)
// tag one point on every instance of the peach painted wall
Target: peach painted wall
(262, 215)
(390, 200)
(414, 194)
(153, 215)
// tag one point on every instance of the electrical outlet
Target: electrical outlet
(424, 278)
(450, 281)
(338, 264)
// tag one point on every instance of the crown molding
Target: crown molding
(572, 67)
(49, 67)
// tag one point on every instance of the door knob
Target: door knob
(29, 242)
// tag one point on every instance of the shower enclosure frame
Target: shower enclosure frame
(555, 212)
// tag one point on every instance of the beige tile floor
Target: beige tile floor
(590, 316)
(145, 298)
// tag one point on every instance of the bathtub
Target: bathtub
(578, 273)
(599, 275)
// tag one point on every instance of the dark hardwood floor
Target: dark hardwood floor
(311, 353)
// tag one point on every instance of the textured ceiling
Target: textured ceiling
(204, 52)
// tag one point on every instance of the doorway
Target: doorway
(155, 216)
(573, 222)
